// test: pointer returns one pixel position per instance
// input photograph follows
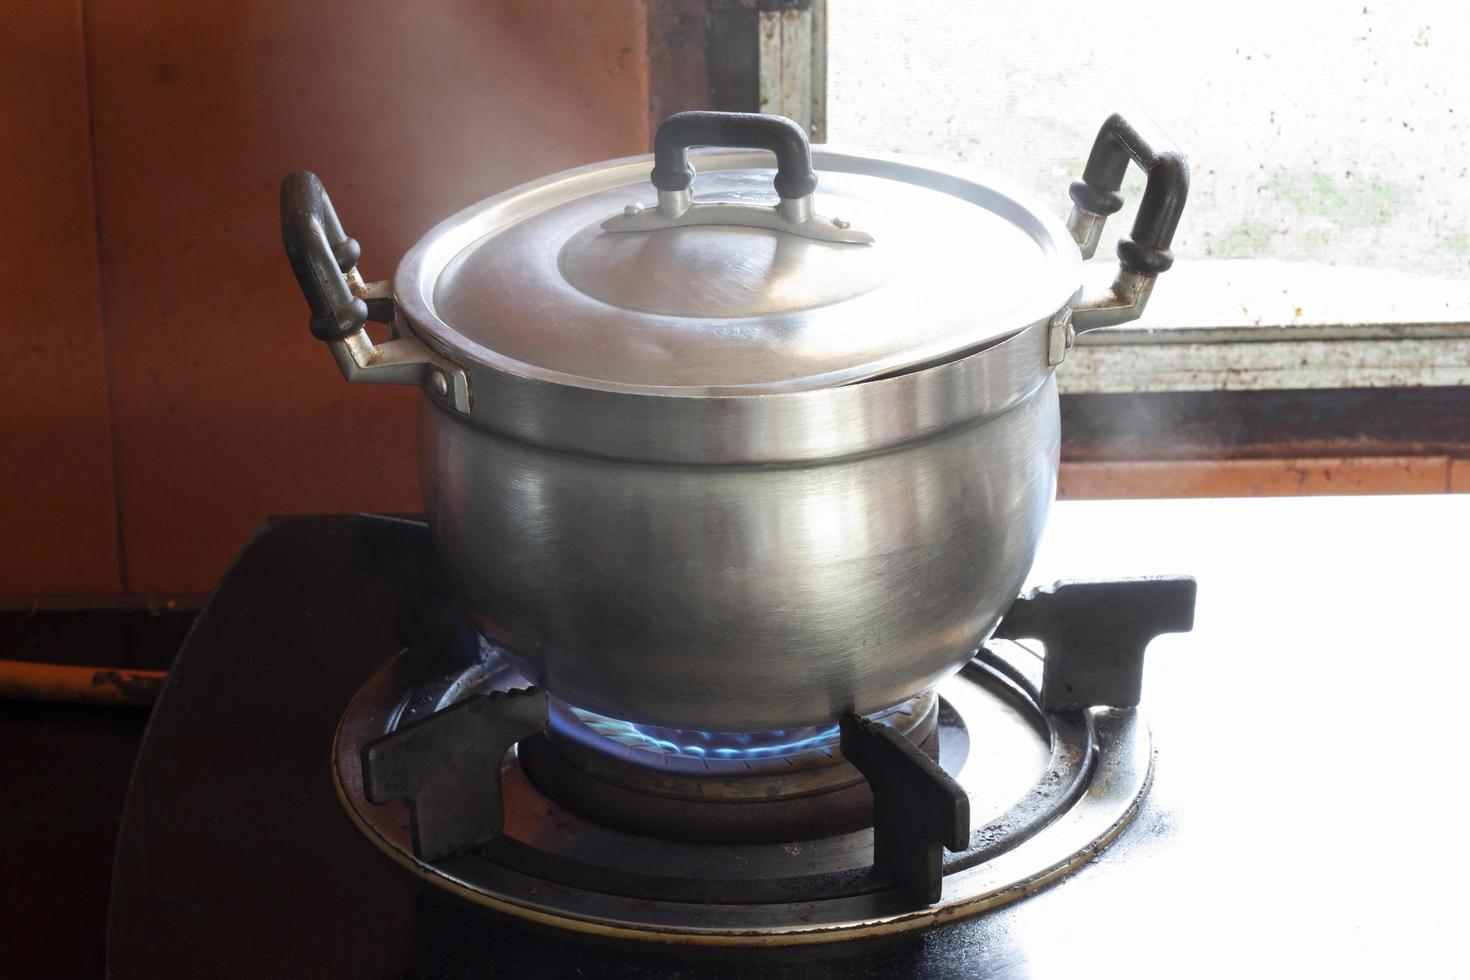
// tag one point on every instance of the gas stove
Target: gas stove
(1002, 780)
(343, 779)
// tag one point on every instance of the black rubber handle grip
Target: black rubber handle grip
(679, 132)
(1146, 249)
(321, 254)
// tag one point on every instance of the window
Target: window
(1326, 243)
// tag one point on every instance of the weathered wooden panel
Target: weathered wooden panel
(1222, 424)
(1253, 477)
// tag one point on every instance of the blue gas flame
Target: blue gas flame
(691, 743)
(601, 732)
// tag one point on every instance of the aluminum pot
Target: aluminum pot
(724, 465)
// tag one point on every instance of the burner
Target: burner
(1046, 790)
(711, 787)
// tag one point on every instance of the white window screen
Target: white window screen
(1318, 132)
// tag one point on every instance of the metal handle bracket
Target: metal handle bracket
(403, 360)
(1120, 301)
(793, 215)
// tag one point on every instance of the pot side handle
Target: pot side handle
(1144, 253)
(324, 258)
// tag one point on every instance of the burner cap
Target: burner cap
(711, 787)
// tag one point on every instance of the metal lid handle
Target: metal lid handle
(673, 176)
(783, 137)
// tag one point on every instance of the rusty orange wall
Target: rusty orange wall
(222, 408)
(58, 526)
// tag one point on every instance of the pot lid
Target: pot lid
(831, 268)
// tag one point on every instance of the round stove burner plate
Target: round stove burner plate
(553, 867)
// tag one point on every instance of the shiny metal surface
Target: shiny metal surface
(742, 598)
(703, 291)
(747, 563)
(527, 282)
(791, 427)
(805, 892)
